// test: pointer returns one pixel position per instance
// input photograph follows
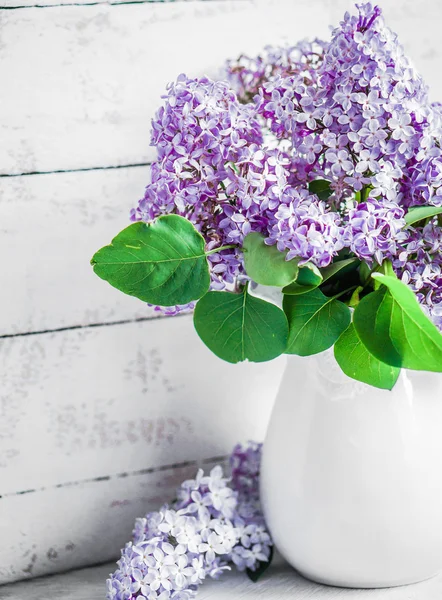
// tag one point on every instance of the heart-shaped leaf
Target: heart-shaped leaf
(239, 327)
(357, 362)
(418, 213)
(315, 322)
(309, 277)
(394, 328)
(266, 264)
(321, 188)
(161, 263)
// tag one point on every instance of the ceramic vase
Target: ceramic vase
(351, 479)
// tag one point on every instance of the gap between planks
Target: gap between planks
(109, 3)
(88, 326)
(147, 471)
(82, 169)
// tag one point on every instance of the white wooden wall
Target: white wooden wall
(104, 408)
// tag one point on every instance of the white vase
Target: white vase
(351, 478)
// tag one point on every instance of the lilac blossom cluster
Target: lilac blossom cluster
(238, 157)
(247, 75)
(419, 265)
(214, 523)
(202, 134)
(365, 122)
(365, 115)
(375, 230)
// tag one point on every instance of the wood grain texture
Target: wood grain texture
(51, 225)
(82, 404)
(90, 102)
(280, 583)
(69, 526)
(92, 419)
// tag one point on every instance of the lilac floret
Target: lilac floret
(375, 230)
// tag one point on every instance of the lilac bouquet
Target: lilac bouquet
(315, 169)
(214, 523)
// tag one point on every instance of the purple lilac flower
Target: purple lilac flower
(306, 228)
(201, 134)
(215, 522)
(419, 265)
(362, 119)
(238, 157)
(154, 568)
(245, 463)
(363, 100)
(254, 544)
(375, 230)
(171, 311)
(426, 182)
(247, 75)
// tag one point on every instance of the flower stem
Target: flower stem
(215, 250)
(364, 193)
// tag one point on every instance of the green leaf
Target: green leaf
(315, 322)
(371, 319)
(266, 264)
(260, 569)
(308, 280)
(161, 263)
(387, 269)
(321, 188)
(419, 213)
(309, 277)
(237, 327)
(339, 268)
(357, 362)
(394, 328)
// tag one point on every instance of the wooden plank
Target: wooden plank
(418, 27)
(71, 526)
(50, 227)
(90, 102)
(280, 583)
(91, 419)
(88, 403)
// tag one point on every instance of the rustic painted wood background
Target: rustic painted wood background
(104, 408)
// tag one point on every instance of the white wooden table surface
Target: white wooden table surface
(280, 582)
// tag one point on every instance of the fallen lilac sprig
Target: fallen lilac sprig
(214, 524)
